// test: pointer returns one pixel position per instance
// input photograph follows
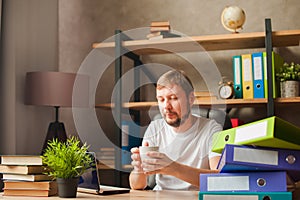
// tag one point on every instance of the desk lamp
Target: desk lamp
(51, 89)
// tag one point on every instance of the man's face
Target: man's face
(173, 104)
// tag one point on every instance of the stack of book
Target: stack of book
(250, 78)
(23, 176)
(106, 158)
(160, 30)
(259, 160)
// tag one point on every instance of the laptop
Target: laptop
(89, 181)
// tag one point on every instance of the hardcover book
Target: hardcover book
(27, 185)
(21, 160)
(34, 193)
(22, 169)
(27, 177)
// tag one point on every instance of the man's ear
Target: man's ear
(192, 98)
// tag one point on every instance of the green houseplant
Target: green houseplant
(289, 76)
(65, 162)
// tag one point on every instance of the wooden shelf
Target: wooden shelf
(230, 103)
(203, 103)
(285, 101)
(208, 43)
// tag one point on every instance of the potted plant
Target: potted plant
(65, 162)
(289, 76)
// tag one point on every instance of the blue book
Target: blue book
(245, 195)
(249, 158)
(244, 182)
(258, 75)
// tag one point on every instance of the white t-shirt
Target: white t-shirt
(192, 148)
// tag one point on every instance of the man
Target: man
(184, 140)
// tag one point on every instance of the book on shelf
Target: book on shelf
(247, 76)
(27, 185)
(258, 75)
(21, 160)
(237, 76)
(255, 80)
(161, 35)
(160, 23)
(27, 177)
(277, 62)
(156, 29)
(106, 149)
(106, 158)
(22, 169)
(156, 26)
(34, 193)
(130, 138)
(160, 30)
(104, 165)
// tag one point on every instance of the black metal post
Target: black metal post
(118, 107)
(269, 49)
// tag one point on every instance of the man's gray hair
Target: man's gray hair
(178, 78)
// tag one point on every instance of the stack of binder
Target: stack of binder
(260, 160)
(250, 75)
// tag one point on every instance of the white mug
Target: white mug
(144, 149)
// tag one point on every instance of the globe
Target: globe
(233, 18)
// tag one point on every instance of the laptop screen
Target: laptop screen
(89, 179)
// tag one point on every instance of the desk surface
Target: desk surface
(132, 195)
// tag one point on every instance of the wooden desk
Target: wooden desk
(132, 195)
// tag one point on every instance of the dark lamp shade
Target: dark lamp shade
(54, 88)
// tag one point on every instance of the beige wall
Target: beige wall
(29, 44)
(37, 25)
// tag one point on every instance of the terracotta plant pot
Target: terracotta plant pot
(67, 188)
(289, 89)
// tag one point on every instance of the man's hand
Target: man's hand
(136, 159)
(137, 178)
(158, 163)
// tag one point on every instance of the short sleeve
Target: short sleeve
(215, 128)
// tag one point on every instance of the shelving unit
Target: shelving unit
(136, 48)
(210, 43)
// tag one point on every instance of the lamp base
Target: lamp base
(55, 130)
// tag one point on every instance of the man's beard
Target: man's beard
(178, 120)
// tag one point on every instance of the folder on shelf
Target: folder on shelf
(237, 76)
(274, 181)
(130, 138)
(277, 62)
(269, 132)
(258, 75)
(247, 77)
(249, 158)
(245, 195)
